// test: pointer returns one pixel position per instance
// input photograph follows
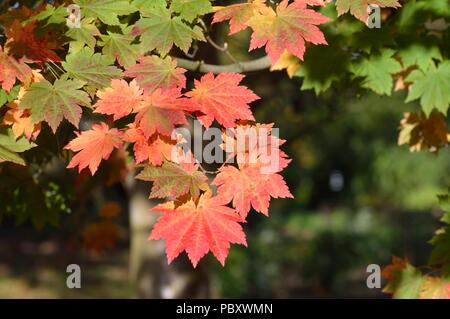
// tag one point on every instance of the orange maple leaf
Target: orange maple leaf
(120, 99)
(239, 14)
(198, 229)
(287, 29)
(221, 98)
(21, 122)
(160, 111)
(435, 288)
(255, 144)
(155, 149)
(248, 187)
(93, 146)
(160, 149)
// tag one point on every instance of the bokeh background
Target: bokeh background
(359, 199)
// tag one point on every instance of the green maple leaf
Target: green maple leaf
(318, 75)
(84, 35)
(444, 203)
(106, 10)
(407, 283)
(441, 251)
(56, 15)
(10, 147)
(420, 54)
(446, 208)
(377, 71)
(431, 87)
(144, 5)
(191, 9)
(9, 97)
(53, 102)
(120, 47)
(173, 180)
(93, 68)
(153, 72)
(160, 31)
(441, 240)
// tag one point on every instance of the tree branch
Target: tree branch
(241, 67)
(223, 49)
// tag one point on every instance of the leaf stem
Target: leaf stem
(52, 71)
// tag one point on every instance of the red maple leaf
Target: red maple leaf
(120, 99)
(198, 229)
(93, 146)
(22, 42)
(249, 187)
(12, 69)
(153, 72)
(160, 111)
(221, 98)
(287, 29)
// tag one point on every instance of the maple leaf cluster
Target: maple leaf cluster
(51, 72)
(195, 220)
(149, 92)
(406, 282)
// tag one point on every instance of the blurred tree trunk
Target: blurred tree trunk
(149, 271)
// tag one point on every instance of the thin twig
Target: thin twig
(223, 49)
(216, 46)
